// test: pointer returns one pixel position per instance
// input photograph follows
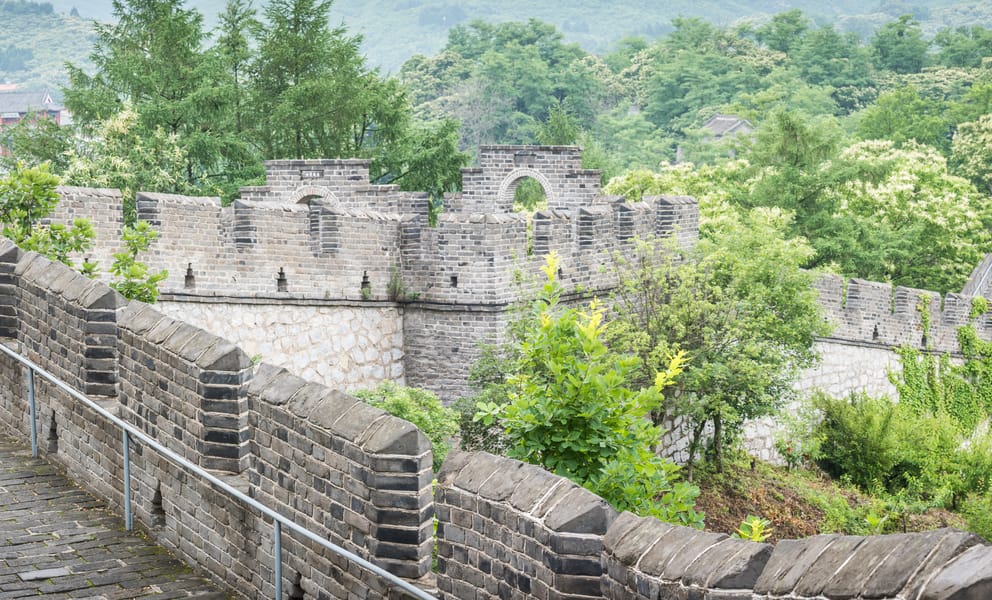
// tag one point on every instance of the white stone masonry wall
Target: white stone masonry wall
(345, 347)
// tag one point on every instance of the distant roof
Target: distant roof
(722, 125)
(25, 102)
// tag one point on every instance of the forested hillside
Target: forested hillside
(35, 42)
(394, 30)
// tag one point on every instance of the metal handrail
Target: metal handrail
(130, 431)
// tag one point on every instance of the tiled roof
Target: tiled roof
(721, 125)
(25, 102)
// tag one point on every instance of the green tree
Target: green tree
(970, 152)
(903, 217)
(27, 195)
(153, 59)
(738, 305)
(135, 280)
(35, 140)
(899, 46)
(570, 410)
(560, 128)
(312, 93)
(420, 407)
(902, 115)
(963, 47)
(784, 31)
(125, 156)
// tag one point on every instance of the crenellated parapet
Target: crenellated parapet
(881, 314)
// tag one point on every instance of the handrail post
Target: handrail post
(33, 413)
(128, 517)
(277, 558)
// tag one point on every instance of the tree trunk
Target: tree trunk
(718, 441)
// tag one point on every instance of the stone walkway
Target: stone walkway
(57, 541)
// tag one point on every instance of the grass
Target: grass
(804, 502)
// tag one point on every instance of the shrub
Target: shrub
(419, 407)
(859, 443)
(571, 411)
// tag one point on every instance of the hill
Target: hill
(394, 30)
(34, 45)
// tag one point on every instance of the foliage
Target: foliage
(128, 158)
(754, 529)
(738, 305)
(902, 115)
(153, 58)
(797, 439)
(859, 439)
(928, 226)
(570, 410)
(970, 153)
(35, 140)
(27, 195)
(134, 280)
(488, 378)
(899, 46)
(902, 451)
(420, 407)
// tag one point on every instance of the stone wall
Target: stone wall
(510, 530)
(362, 479)
(345, 345)
(352, 473)
(645, 559)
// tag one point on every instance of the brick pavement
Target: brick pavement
(57, 541)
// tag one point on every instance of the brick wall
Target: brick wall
(350, 472)
(511, 530)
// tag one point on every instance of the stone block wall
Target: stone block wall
(103, 207)
(512, 530)
(880, 314)
(442, 343)
(650, 560)
(489, 188)
(345, 345)
(350, 472)
(185, 387)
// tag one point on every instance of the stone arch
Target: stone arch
(306, 193)
(509, 186)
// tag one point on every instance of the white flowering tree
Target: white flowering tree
(971, 151)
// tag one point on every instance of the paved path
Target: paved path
(57, 541)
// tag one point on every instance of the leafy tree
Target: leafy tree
(35, 140)
(899, 46)
(134, 279)
(420, 407)
(825, 56)
(125, 156)
(27, 195)
(570, 410)
(963, 47)
(560, 128)
(903, 217)
(970, 151)
(303, 68)
(152, 59)
(737, 305)
(784, 31)
(902, 115)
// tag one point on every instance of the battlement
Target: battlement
(878, 313)
(558, 169)
(319, 229)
